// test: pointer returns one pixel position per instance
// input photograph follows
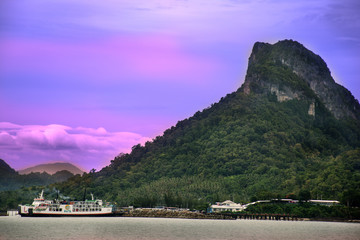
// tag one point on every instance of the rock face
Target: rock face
(312, 109)
(290, 71)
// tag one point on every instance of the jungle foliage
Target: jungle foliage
(306, 210)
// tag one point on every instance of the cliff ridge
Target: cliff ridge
(290, 71)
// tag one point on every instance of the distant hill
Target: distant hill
(12, 180)
(52, 168)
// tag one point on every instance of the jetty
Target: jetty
(164, 213)
(259, 216)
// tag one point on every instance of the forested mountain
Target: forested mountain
(289, 129)
(11, 180)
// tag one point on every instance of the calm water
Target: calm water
(160, 228)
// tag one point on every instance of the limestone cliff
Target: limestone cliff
(291, 71)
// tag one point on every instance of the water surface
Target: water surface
(161, 228)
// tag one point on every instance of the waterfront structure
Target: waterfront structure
(49, 208)
(226, 206)
(230, 206)
(325, 202)
(12, 213)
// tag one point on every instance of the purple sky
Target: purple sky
(82, 80)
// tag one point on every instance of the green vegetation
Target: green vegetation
(24, 195)
(306, 210)
(34, 179)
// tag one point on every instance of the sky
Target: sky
(82, 81)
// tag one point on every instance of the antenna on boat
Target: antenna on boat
(57, 195)
(41, 196)
(92, 196)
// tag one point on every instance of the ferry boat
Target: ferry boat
(49, 208)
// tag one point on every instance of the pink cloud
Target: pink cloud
(154, 57)
(25, 145)
(6, 139)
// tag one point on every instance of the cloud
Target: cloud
(24, 145)
(6, 139)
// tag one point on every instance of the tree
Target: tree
(304, 195)
(351, 198)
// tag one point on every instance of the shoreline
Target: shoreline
(151, 213)
(221, 216)
(174, 214)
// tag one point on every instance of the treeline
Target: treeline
(24, 195)
(15, 181)
(307, 210)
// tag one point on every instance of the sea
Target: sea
(165, 228)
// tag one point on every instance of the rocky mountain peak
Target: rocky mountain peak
(291, 71)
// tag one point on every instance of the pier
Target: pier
(162, 213)
(259, 216)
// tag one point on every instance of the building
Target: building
(226, 206)
(325, 202)
(230, 206)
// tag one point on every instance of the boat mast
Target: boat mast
(41, 196)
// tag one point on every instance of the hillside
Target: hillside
(5, 169)
(52, 168)
(289, 129)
